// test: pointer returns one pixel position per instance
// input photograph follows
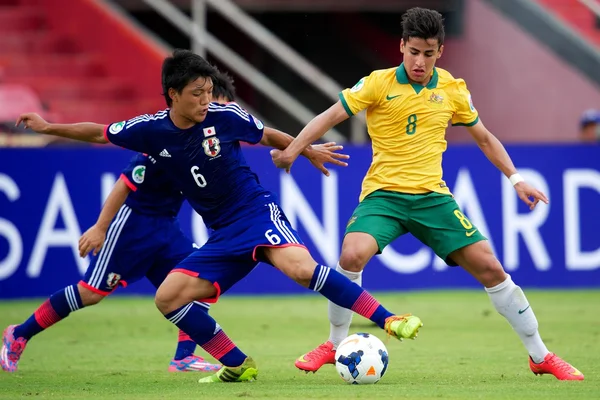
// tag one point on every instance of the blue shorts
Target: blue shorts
(136, 246)
(231, 252)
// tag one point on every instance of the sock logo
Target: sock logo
(217, 328)
(525, 309)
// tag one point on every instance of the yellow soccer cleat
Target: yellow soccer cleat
(246, 372)
(403, 326)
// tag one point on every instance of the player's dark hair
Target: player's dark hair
(223, 86)
(424, 24)
(181, 68)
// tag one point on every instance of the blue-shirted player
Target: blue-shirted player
(199, 144)
(136, 235)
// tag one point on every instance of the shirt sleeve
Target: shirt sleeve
(133, 134)
(244, 127)
(133, 175)
(363, 95)
(465, 113)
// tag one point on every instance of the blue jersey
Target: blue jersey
(205, 161)
(153, 192)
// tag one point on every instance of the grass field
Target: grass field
(120, 350)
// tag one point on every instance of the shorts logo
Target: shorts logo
(359, 85)
(351, 221)
(116, 127)
(139, 173)
(211, 146)
(113, 280)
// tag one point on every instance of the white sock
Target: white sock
(510, 301)
(339, 317)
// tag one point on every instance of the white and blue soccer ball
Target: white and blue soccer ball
(361, 359)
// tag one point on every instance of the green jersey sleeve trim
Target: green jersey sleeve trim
(345, 104)
(469, 124)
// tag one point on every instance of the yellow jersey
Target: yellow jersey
(407, 124)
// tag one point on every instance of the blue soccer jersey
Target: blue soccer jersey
(153, 192)
(205, 161)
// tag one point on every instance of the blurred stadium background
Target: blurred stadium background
(532, 66)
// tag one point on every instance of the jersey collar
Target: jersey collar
(402, 79)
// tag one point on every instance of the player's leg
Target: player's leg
(181, 296)
(510, 302)
(176, 249)
(439, 223)
(374, 224)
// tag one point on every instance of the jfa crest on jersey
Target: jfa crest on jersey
(211, 146)
(205, 161)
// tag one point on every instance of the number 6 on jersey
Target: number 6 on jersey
(199, 178)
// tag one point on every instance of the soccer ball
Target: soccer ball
(361, 359)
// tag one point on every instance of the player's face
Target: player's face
(192, 103)
(420, 56)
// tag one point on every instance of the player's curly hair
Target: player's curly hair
(181, 68)
(424, 24)
(223, 86)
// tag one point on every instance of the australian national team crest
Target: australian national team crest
(211, 146)
(436, 100)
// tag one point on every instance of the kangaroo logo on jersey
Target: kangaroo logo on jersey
(113, 280)
(116, 127)
(138, 173)
(211, 146)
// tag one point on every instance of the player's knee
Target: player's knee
(164, 299)
(89, 298)
(353, 259)
(490, 272)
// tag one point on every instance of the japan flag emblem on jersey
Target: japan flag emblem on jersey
(210, 131)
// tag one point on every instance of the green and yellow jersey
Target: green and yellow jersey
(407, 125)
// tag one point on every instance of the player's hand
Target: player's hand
(92, 239)
(33, 121)
(530, 195)
(282, 160)
(320, 154)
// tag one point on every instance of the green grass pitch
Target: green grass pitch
(120, 349)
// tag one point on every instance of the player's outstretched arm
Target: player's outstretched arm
(84, 131)
(315, 129)
(93, 238)
(496, 153)
(318, 155)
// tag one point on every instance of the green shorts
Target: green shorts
(433, 218)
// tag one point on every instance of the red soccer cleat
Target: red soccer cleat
(554, 365)
(315, 359)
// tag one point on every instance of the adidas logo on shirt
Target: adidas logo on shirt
(164, 153)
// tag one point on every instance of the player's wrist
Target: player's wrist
(515, 178)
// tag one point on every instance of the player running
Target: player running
(139, 223)
(408, 110)
(198, 143)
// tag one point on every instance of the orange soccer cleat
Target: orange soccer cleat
(554, 365)
(315, 359)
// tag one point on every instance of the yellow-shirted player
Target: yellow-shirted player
(408, 109)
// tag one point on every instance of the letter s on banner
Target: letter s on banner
(7, 229)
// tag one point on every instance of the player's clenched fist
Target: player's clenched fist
(282, 160)
(33, 121)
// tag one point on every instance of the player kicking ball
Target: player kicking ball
(408, 110)
(139, 223)
(198, 144)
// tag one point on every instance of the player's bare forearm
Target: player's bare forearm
(279, 140)
(316, 128)
(493, 149)
(113, 203)
(83, 131)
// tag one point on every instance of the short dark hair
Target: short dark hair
(223, 86)
(424, 24)
(181, 68)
